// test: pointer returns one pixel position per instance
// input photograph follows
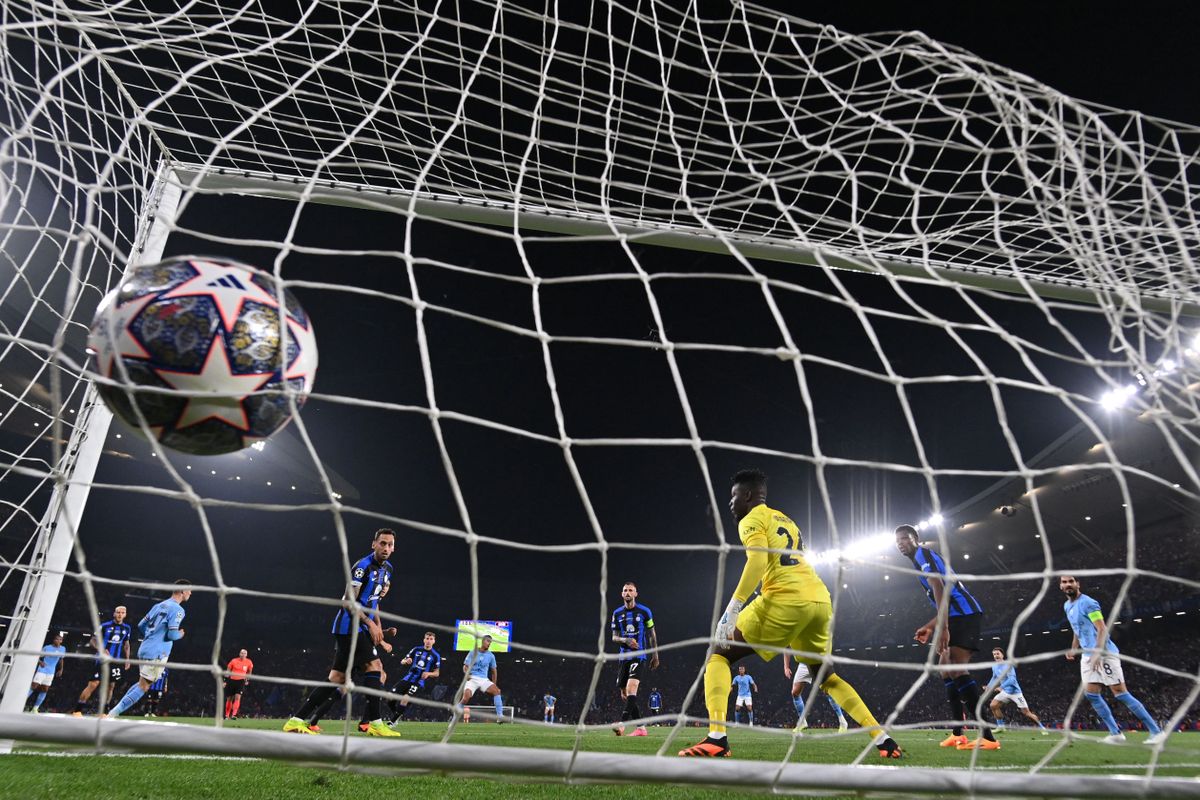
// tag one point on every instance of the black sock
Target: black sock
(317, 700)
(956, 704)
(631, 708)
(371, 680)
(968, 689)
(79, 706)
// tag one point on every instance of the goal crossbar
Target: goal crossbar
(355, 752)
(432, 205)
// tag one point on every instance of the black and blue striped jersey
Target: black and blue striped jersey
(160, 685)
(961, 603)
(422, 661)
(368, 578)
(113, 636)
(632, 623)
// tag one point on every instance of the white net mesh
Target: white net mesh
(543, 405)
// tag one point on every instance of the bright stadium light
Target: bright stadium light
(936, 519)
(1116, 398)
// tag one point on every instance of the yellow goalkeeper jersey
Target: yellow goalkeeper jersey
(786, 575)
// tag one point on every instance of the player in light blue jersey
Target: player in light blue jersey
(480, 669)
(1004, 679)
(548, 701)
(745, 685)
(49, 667)
(1100, 664)
(800, 683)
(161, 628)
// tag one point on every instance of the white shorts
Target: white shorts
(154, 670)
(743, 700)
(43, 678)
(801, 675)
(1005, 697)
(1108, 672)
(476, 684)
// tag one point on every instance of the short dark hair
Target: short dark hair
(628, 583)
(487, 636)
(750, 477)
(1001, 649)
(907, 530)
(183, 582)
(383, 532)
(431, 633)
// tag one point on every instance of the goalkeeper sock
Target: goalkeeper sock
(319, 698)
(717, 680)
(853, 705)
(968, 690)
(1103, 712)
(956, 706)
(798, 702)
(1139, 711)
(132, 696)
(373, 680)
(228, 707)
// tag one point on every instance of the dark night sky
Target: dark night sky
(385, 462)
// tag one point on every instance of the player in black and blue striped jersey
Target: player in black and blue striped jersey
(114, 640)
(632, 627)
(358, 639)
(960, 618)
(424, 664)
(155, 694)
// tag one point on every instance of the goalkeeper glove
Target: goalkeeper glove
(728, 621)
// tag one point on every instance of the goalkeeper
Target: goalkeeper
(792, 611)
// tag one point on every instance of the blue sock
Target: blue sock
(132, 696)
(750, 714)
(1103, 712)
(1139, 711)
(798, 702)
(30, 693)
(498, 702)
(37, 701)
(834, 705)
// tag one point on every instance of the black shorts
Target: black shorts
(409, 688)
(114, 673)
(234, 687)
(630, 670)
(964, 631)
(364, 653)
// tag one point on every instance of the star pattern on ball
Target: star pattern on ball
(127, 345)
(229, 287)
(215, 392)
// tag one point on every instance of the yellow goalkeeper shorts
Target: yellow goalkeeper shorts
(785, 623)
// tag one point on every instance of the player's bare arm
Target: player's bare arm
(924, 632)
(653, 648)
(1074, 647)
(128, 664)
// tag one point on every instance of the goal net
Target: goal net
(571, 268)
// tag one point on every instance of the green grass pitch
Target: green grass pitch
(50, 771)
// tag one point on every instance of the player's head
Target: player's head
(629, 593)
(57, 640)
(430, 638)
(1069, 586)
(183, 591)
(384, 544)
(119, 614)
(485, 643)
(748, 490)
(243, 653)
(997, 654)
(741, 669)
(907, 540)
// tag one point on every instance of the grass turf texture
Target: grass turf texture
(34, 773)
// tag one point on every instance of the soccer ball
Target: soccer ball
(207, 332)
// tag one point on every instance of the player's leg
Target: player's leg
(1122, 694)
(996, 707)
(1093, 680)
(372, 679)
(85, 696)
(750, 710)
(322, 697)
(497, 701)
(968, 690)
(801, 681)
(148, 674)
(38, 692)
(633, 682)
(843, 726)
